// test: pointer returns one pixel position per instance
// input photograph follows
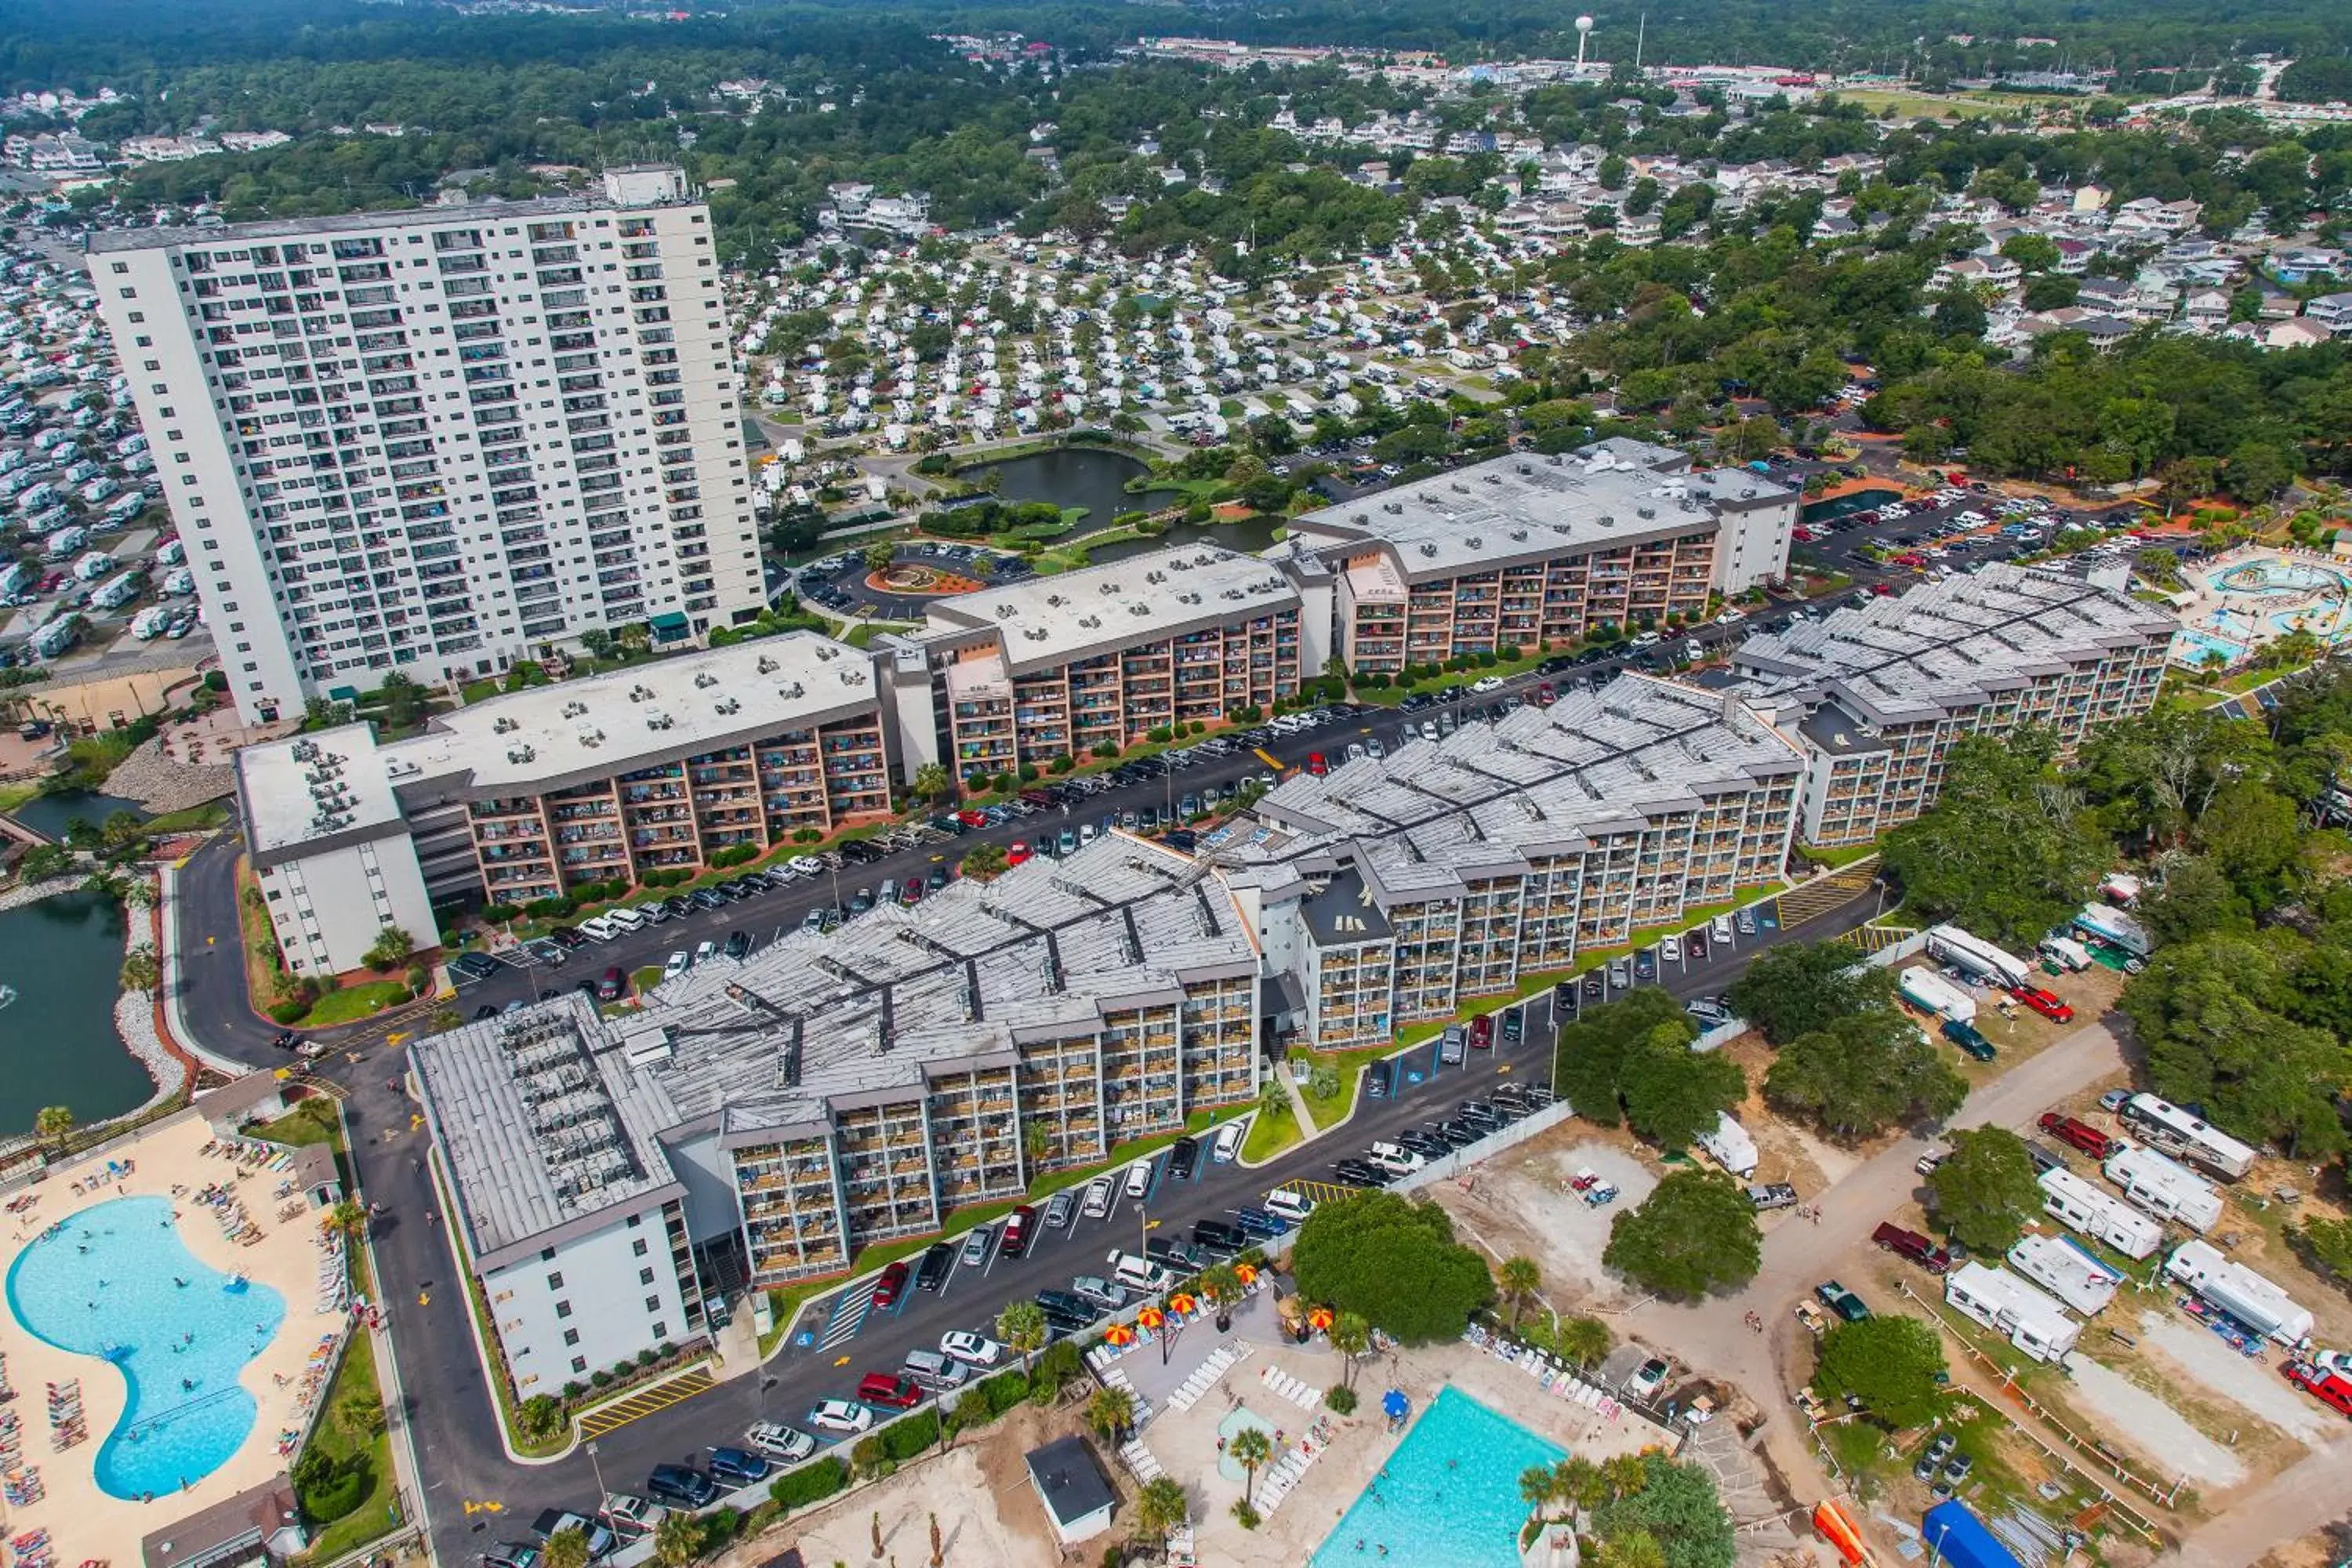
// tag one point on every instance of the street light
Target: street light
(600, 1473)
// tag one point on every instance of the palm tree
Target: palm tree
(567, 1548)
(1519, 1279)
(678, 1540)
(1022, 1325)
(1223, 1283)
(1110, 1412)
(1578, 1482)
(140, 971)
(350, 1216)
(1584, 1340)
(1539, 1488)
(1637, 1548)
(1253, 1447)
(51, 1124)
(1626, 1474)
(1162, 1507)
(1352, 1336)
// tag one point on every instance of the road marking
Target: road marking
(848, 1317)
(646, 1402)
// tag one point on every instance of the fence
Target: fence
(1445, 1167)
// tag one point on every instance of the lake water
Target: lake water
(57, 1043)
(1076, 475)
(48, 813)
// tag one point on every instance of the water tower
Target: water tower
(1583, 37)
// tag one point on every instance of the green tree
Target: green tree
(567, 1548)
(1589, 1055)
(879, 557)
(1984, 1192)
(2006, 850)
(140, 971)
(677, 1539)
(1022, 1326)
(1694, 1235)
(392, 949)
(1519, 1279)
(1634, 1548)
(42, 862)
(982, 863)
(1585, 1341)
(1350, 1336)
(2326, 1244)
(1863, 1073)
(2255, 839)
(1251, 1447)
(1677, 1505)
(1891, 1363)
(1800, 988)
(1672, 1095)
(52, 1124)
(1395, 1262)
(933, 783)
(1160, 1509)
(2194, 899)
(1111, 1413)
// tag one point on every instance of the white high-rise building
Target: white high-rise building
(442, 440)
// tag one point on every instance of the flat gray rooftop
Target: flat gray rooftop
(542, 1124)
(1050, 621)
(1508, 512)
(315, 791)
(1947, 644)
(547, 737)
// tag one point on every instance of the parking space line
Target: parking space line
(848, 1317)
(661, 1397)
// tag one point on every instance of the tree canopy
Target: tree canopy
(1631, 1059)
(1694, 1235)
(1985, 1190)
(1863, 1073)
(1890, 1363)
(1801, 987)
(1395, 1262)
(1677, 1505)
(2007, 850)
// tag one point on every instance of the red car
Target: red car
(889, 1391)
(972, 818)
(1912, 559)
(1883, 590)
(2044, 1003)
(2329, 1387)
(2081, 1134)
(1482, 1031)
(1317, 765)
(1018, 853)
(1546, 696)
(887, 1288)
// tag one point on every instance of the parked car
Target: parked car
(892, 1282)
(1060, 1208)
(786, 1444)
(974, 1350)
(1100, 1193)
(1840, 1300)
(682, 1486)
(889, 1390)
(1019, 1226)
(931, 1272)
(843, 1415)
(738, 1467)
(2078, 1134)
(1910, 1244)
(1771, 1195)
(1647, 1380)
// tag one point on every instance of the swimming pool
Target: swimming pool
(1235, 1423)
(114, 1281)
(2190, 647)
(1449, 1495)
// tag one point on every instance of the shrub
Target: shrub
(1341, 1399)
(996, 1395)
(810, 1483)
(905, 1439)
(329, 1488)
(601, 1378)
(417, 979)
(548, 909)
(498, 914)
(806, 836)
(734, 854)
(287, 1012)
(1244, 1515)
(647, 1356)
(1057, 1363)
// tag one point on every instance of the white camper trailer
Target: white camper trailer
(2239, 1291)
(2165, 1187)
(1931, 993)
(1950, 945)
(2008, 1305)
(2066, 1270)
(1730, 1147)
(2074, 1202)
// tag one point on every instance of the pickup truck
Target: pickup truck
(1840, 1300)
(1969, 1038)
(1910, 1244)
(1811, 1316)
(2078, 1134)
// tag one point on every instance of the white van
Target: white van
(1138, 1273)
(1283, 1203)
(1139, 1178)
(625, 920)
(599, 927)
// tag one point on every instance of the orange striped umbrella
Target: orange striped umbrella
(1119, 1334)
(1320, 1318)
(1183, 1306)
(1151, 1317)
(1247, 1273)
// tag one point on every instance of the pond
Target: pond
(1251, 536)
(1079, 476)
(1847, 505)
(57, 1042)
(47, 813)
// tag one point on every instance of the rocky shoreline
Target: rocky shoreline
(164, 785)
(34, 892)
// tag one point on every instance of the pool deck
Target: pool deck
(2258, 618)
(1185, 1443)
(83, 1521)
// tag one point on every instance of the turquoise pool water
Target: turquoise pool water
(2190, 647)
(114, 1281)
(1232, 1426)
(1449, 1495)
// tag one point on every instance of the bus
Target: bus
(2177, 1132)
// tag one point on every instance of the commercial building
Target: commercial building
(758, 1122)
(657, 767)
(441, 440)
(1878, 692)
(1057, 666)
(1528, 550)
(1392, 890)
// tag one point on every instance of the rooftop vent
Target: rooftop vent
(703, 679)
(502, 726)
(575, 709)
(641, 693)
(521, 754)
(768, 666)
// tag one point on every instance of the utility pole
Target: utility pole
(1641, 33)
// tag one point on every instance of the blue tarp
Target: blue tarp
(1956, 1537)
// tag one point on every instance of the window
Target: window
(571, 1336)
(637, 1247)
(645, 1276)
(555, 1281)
(653, 1303)
(563, 1309)
(580, 1364)
(661, 1330)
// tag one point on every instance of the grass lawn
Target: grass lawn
(865, 631)
(212, 814)
(312, 1121)
(1329, 1110)
(354, 1002)
(1844, 856)
(1273, 1132)
(1902, 104)
(355, 1384)
(12, 796)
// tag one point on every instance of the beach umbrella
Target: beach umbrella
(1119, 1334)
(1183, 1306)
(1394, 1405)
(1151, 1317)
(1320, 1318)
(1247, 1273)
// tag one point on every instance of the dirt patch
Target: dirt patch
(1518, 1204)
(2152, 1428)
(2253, 1384)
